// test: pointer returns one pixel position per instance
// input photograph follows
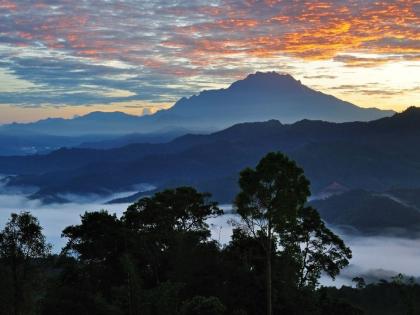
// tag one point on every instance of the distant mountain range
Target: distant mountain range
(376, 156)
(259, 97)
(391, 212)
(120, 141)
(35, 143)
(94, 123)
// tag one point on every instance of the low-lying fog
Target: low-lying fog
(374, 257)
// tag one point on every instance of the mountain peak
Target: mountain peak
(409, 116)
(407, 119)
(412, 112)
(272, 75)
(100, 114)
(106, 116)
(268, 80)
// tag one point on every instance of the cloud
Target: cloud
(320, 76)
(161, 50)
(307, 29)
(373, 61)
(374, 89)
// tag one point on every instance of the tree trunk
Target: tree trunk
(130, 294)
(268, 279)
(15, 288)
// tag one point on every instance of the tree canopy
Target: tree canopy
(159, 257)
(271, 204)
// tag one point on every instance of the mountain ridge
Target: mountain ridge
(258, 97)
(356, 155)
(389, 212)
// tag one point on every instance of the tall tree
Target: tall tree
(21, 242)
(269, 199)
(314, 247)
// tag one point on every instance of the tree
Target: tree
(168, 219)
(269, 199)
(200, 305)
(123, 264)
(360, 282)
(244, 266)
(180, 209)
(99, 246)
(97, 239)
(314, 247)
(21, 242)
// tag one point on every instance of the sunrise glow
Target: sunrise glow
(72, 57)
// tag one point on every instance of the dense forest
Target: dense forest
(159, 258)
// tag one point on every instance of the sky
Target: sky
(69, 57)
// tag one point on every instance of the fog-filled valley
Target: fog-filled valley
(375, 257)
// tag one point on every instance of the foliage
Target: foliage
(22, 244)
(159, 259)
(271, 194)
(271, 204)
(314, 247)
(382, 298)
(200, 305)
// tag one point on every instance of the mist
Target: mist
(374, 257)
(381, 257)
(54, 217)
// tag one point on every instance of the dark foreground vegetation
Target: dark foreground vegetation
(158, 258)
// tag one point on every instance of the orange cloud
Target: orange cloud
(314, 30)
(191, 36)
(8, 5)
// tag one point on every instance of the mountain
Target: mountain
(373, 212)
(107, 123)
(120, 141)
(377, 155)
(258, 97)
(33, 143)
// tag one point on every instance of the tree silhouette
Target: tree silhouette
(167, 219)
(200, 305)
(269, 199)
(180, 209)
(21, 241)
(314, 247)
(98, 245)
